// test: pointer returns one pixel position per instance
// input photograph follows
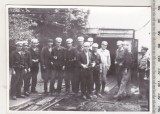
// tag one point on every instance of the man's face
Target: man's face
(80, 43)
(119, 46)
(58, 44)
(103, 46)
(19, 47)
(91, 42)
(50, 44)
(34, 44)
(69, 44)
(86, 48)
(143, 51)
(25, 47)
(94, 49)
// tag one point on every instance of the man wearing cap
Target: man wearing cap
(106, 63)
(90, 40)
(143, 69)
(119, 62)
(47, 64)
(79, 49)
(58, 58)
(96, 69)
(35, 55)
(70, 65)
(18, 66)
(86, 63)
(28, 62)
(124, 89)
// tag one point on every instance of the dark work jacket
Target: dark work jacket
(128, 62)
(82, 59)
(120, 56)
(97, 60)
(35, 55)
(17, 61)
(79, 49)
(46, 57)
(58, 57)
(28, 59)
(70, 58)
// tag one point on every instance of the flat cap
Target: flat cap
(50, 41)
(80, 38)
(25, 43)
(86, 44)
(90, 39)
(58, 39)
(95, 45)
(69, 40)
(144, 48)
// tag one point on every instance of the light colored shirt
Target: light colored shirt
(105, 57)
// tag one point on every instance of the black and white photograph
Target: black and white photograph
(79, 58)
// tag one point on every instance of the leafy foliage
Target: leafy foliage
(44, 23)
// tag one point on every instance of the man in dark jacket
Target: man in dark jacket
(96, 69)
(47, 64)
(124, 89)
(35, 55)
(18, 66)
(70, 65)
(86, 63)
(58, 58)
(28, 62)
(79, 48)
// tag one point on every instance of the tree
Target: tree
(44, 23)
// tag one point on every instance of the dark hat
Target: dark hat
(50, 41)
(144, 48)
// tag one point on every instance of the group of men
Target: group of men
(83, 67)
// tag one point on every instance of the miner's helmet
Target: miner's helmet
(80, 39)
(86, 44)
(95, 45)
(19, 44)
(35, 41)
(104, 43)
(69, 40)
(58, 39)
(119, 42)
(90, 39)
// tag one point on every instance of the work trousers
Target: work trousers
(86, 81)
(77, 80)
(125, 83)
(58, 74)
(34, 72)
(119, 74)
(69, 82)
(96, 80)
(16, 82)
(26, 79)
(47, 75)
(143, 84)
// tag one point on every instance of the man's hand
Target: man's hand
(125, 71)
(13, 72)
(93, 64)
(120, 64)
(84, 66)
(25, 71)
(51, 63)
(29, 70)
(115, 62)
(63, 68)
